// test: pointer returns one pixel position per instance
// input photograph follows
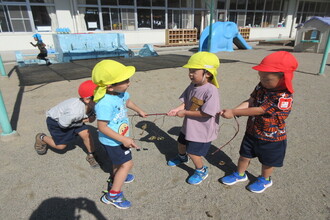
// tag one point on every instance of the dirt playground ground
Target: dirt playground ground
(61, 185)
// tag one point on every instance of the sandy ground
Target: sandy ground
(61, 185)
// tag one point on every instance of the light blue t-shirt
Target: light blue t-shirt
(112, 108)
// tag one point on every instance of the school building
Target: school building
(146, 21)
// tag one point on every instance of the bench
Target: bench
(22, 61)
(89, 46)
(99, 45)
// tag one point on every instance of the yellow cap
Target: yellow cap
(207, 61)
(108, 72)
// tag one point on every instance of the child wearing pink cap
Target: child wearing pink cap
(268, 106)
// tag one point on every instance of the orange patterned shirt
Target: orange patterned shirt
(271, 125)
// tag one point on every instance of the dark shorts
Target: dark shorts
(195, 148)
(63, 135)
(42, 55)
(118, 154)
(269, 153)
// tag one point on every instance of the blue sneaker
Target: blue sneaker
(260, 185)
(198, 176)
(119, 201)
(177, 161)
(233, 178)
(129, 179)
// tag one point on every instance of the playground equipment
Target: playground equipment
(21, 61)
(224, 34)
(89, 46)
(312, 35)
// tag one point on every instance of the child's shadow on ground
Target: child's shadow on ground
(168, 146)
(221, 160)
(153, 134)
(66, 208)
(165, 143)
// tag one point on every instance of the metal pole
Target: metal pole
(325, 55)
(210, 29)
(4, 121)
(2, 68)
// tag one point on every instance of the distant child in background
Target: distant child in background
(200, 108)
(42, 47)
(268, 106)
(112, 101)
(67, 120)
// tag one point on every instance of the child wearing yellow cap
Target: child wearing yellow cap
(112, 101)
(200, 107)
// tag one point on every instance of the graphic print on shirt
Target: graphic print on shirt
(284, 103)
(120, 120)
(196, 104)
(123, 129)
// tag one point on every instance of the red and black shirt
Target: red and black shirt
(271, 125)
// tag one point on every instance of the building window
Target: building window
(260, 5)
(158, 19)
(308, 9)
(232, 4)
(158, 3)
(143, 3)
(109, 2)
(42, 17)
(144, 18)
(92, 19)
(173, 3)
(87, 2)
(257, 13)
(15, 0)
(180, 19)
(40, 1)
(221, 4)
(241, 4)
(126, 2)
(128, 19)
(106, 17)
(14, 17)
(4, 26)
(18, 19)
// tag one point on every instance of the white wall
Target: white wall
(145, 37)
(21, 41)
(63, 14)
(269, 33)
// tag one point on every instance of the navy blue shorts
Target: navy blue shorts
(63, 135)
(269, 153)
(118, 154)
(195, 148)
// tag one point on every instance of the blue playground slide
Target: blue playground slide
(224, 35)
(240, 43)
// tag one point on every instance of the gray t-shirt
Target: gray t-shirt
(206, 99)
(68, 113)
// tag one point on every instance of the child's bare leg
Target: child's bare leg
(120, 172)
(88, 140)
(266, 171)
(49, 141)
(243, 163)
(197, 160)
